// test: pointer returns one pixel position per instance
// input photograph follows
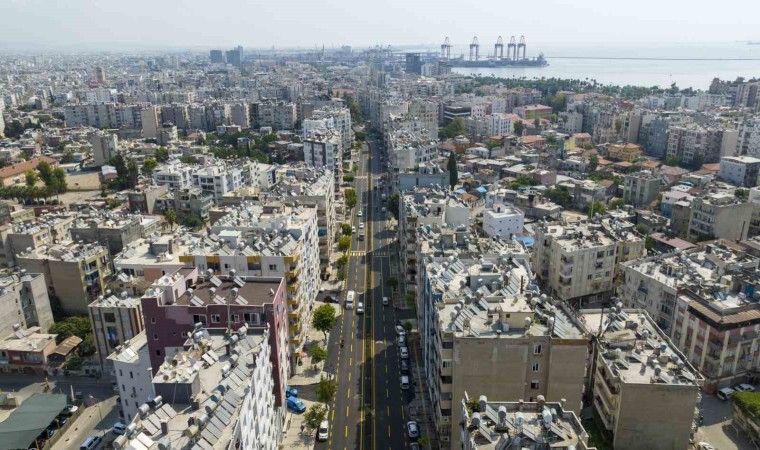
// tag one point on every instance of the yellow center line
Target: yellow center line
(349, 376)
(346, 410)
(348, 393)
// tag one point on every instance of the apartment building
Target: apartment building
(115, 231)
(24, 301)
(324, 150)
(175, 305)
(691, 142)
(503, 221)
(719, 214)
(104, 147)
(532, 112)
(115, 320)
(636, 370)
(74, 273)
(498, 425)
(134, 376)
(581, 261)
(500, 124)
(177, 115)
(268, 241)
(21, 237)
(247, 414)
(151, 121)
(151, 258)
(743, 171)
(748, 142)
(336, 118)
(175, 175)
(640, 189)
(26, 351)
(98, 115)
(142, 200)
(624, 152)
(485, 328)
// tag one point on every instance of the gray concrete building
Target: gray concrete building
(23, 300)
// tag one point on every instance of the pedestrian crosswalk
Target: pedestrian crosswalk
(358, 253)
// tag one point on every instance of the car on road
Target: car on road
(91, 443)
(725, 393)
(69, 410)
(350, 299)
(359, 213)
(290, 391)
(413, 429)
(386, 301)
(119, 428)
(403, 352)
(404, 382)
(400, 330)
(402, 341)
(360, 308)
(382, 209)
(414, 446)
(322, 431)
(296, 405)
(361, 225)
(404, 367)
(744, 388)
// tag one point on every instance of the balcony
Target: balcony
(292, 273)
(295, 328)
(713, 356)
(293, 287)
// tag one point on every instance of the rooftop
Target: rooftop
(129, 351)
(250, 291)
(597, 232)
(29, 339)
(636, 350)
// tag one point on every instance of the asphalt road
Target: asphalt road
(368, 411)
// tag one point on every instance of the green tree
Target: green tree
(75, 326)
(360, 136)
(672, 161)
(46, 172)
(593, 162)
(453, 129)
(314, 416)
(344, 243)
(342, 261)
(392, 283)
(617, 203)
(31, 177)
(68, 157)
(149, 166)
(742, 194)
(323, 319)
(115, 203)
(134, 173)
(649, 243)
(348, 178)
(519, 127)
(58, 183)
(350, 196)
(451, 166)
(326, 390)
(171, 218)
(392, 205)
(317, 354)
(537, 123)
(559, 195)
(596, 208)
(346, 229)
(162, 154)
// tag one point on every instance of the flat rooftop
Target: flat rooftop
(636, 350)
(129, 351)
(256, 293)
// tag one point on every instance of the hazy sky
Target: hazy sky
(121, 24)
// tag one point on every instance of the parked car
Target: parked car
(400, 330)
(91, 443)
(403, 352)
(290, 391)
(414, 446)
(704, 446)
(61, 421)
(404, 382)
(404, 366)
(402, 341)
(386, 301)
(69, 410)
(725, 393)
(296, 405)
(413, 429)
(322, 431)
(359, 213)
(119, 428)
(360, 308)
(744, 388)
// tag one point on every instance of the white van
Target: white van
(322, 431)
(404, 382)
(725, 393)
(350, 299)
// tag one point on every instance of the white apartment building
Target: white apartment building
(104, 146)
(503, 221)
(740, 171)
(748, 141)
(218, 180)
(240, 115)
(134, 377)
(501, 123)
(581, 261)
(175, 175)
(338, 119)
(325, 150)
(720, 215)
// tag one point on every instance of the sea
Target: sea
(692, 65)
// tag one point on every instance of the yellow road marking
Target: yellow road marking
(345, 433)
(349, 376)
(346, 410)
(348, 393)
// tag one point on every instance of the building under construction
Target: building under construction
(515, 55)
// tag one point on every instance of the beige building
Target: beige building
(581, 261)
(495, 335)
(21, 237)
(624, 152)
(490, 425)
(720, 215)
(640, 189)
(115, 320)
(24, 300)
(644, 389)
(74, 273)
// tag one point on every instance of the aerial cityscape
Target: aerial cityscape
(479, 241)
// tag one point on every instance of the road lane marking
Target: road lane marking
(389, 431)
(348, 393)
(386, 393)
(345, 433)
(349, 376)
(386, 368)
(346, 410)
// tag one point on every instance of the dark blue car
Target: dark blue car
(296, 405)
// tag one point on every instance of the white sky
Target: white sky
(157, 24)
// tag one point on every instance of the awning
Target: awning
(24, 424)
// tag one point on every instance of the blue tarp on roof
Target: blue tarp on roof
(460, 191)
(526, 240)
(482, 190)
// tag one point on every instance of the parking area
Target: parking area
(717, 429)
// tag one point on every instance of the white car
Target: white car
(359, 213)
(412, 429)
(360, 308)
(119, 428)
(725, 393)
(403, 352)
(402, 341)
(404, 382)
(361, 226)
(400, 330)
(322, 431)
(386, 301)
(744, 388)
(353, 230)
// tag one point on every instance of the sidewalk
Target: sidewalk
(296, 438)
(307, 373)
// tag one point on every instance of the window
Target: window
(131, 375)
(199, 318)
(589, 277)
(536, 367)
(158, 352)
(152, 320)
(123, 388)
(537, 349)
(216, 318)
(121, 374)
(446, 364)
(236, 318)
(155, 336)
(109, 317)
(534, 384)
(273, 267)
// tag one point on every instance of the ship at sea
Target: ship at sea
(515, 55)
